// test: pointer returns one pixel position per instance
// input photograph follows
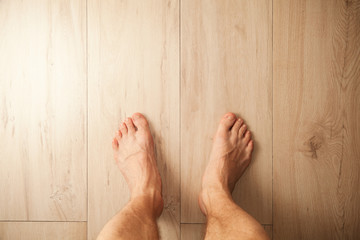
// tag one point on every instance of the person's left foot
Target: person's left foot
(134, 154)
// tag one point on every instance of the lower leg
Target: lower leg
(230, 156)
(134, 154)
(226, 220)
(137, 220)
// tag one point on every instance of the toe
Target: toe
(118, 135)
(250, 147)
(242, 130)
(115, 143)
(247, 136)
(130, 125)
(140, 122)
(227, 122)
(123, 129)
(237, 125)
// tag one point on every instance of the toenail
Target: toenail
(230, 116)
(136, 116)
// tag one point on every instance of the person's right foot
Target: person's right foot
(230, 156)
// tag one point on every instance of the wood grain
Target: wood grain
(42, 110)
(226, 66)
(133, 67)
(43, 230)
(192, 231)
(316, 119)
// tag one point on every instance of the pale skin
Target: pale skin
(230, 156)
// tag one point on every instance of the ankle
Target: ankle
(148, 203)
(213, 199)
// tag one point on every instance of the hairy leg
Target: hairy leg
(134, 154)
(230, 156)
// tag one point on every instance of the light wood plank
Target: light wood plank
(42, 110)
(133, 67)
(316, 119)
(43, 230)
(226, 66)
(192, 231)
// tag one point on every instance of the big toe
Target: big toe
(227, 122)
(140, 122)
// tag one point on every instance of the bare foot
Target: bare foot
(229, 158)
(134, 154)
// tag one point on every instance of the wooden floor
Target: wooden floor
(71, 71)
